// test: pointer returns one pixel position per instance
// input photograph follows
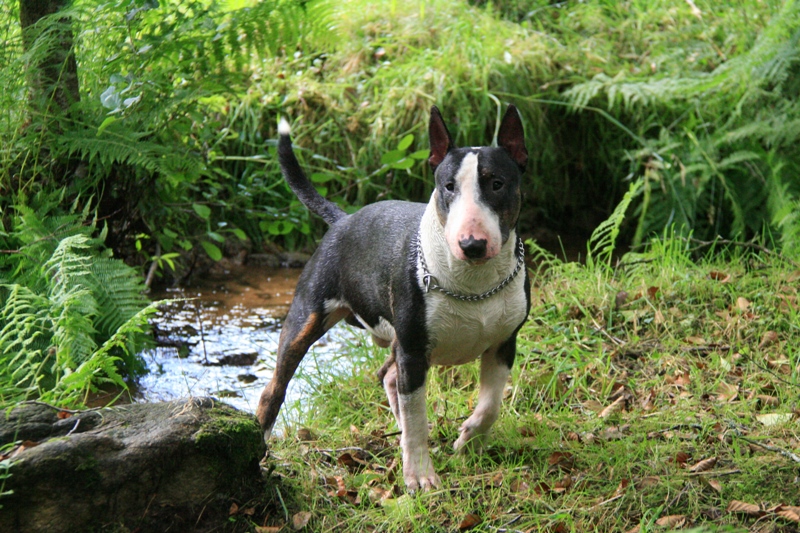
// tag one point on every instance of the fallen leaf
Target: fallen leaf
(770, 337)
(652, 292)
(736, 506)
(726, 392)
(789, 513)
(714, 484)
(300, 520)
(682, 458)
(341, 488)
(720, 276)
(774, 419)
(563, 484)
(694, 339)
(562, 460)
(615, 432)
(781, 364)
(705, 464)
(613, 408)
(24, 445)
(620, 299)
(63, 414)
(305, 435)
(768, 401)
(379, 494)
(648, 481)
(541, 488)
(469, 521)
(233, 509)
(673, 521)
(353, 462)
(742, 304)
(519, 485)
(268, 529)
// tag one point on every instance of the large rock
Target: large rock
(144, 467)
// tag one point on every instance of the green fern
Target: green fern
(78, 320)
(603, 241)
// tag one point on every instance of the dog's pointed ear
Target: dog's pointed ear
(441, 142)
(512, 137)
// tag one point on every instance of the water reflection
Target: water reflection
(219, 339)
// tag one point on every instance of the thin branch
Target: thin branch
(786, 453)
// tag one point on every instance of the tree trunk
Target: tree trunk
(53, 72)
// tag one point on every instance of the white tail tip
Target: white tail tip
(283, 127)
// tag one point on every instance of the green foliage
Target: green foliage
(718, 153)
(603, 241)
(180, 101)
(72, 318)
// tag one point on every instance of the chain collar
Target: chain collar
(432, 285)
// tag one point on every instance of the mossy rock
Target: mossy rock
(144, 467)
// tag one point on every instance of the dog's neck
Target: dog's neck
(457, 275)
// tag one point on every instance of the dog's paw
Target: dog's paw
(423, 483)
(419, 475)
(471, 438)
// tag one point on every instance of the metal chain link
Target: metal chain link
(431, 284)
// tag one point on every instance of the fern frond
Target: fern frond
(603, 241)
(119, 146)
(118, 290)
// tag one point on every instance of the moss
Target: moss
(232, 437)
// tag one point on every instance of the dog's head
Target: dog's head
(478, 189)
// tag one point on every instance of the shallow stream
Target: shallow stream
(220, 339)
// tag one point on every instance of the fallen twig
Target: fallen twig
(786, 453)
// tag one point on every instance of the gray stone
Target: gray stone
(142, 466)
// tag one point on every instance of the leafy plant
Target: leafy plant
(72, 317)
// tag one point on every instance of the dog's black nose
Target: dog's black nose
(473, 248)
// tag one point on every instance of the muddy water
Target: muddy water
(219, 339)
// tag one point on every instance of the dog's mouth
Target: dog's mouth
(478, 261)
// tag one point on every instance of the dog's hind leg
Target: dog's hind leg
(297, 336)
(388, 376)
(495, 369)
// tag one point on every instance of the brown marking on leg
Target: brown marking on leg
(390, 386)
(381, 343)
(291, 349)
(387, 364)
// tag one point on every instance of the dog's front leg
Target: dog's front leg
(495, 368)
(418, 471)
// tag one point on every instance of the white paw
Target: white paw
(419, 474)
(471, 438)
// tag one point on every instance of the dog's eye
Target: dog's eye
(450, 187)
(497, 185)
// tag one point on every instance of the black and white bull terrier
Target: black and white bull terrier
(442, 283)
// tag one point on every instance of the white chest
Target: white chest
(460, 331)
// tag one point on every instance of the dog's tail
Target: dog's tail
(299, 183)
